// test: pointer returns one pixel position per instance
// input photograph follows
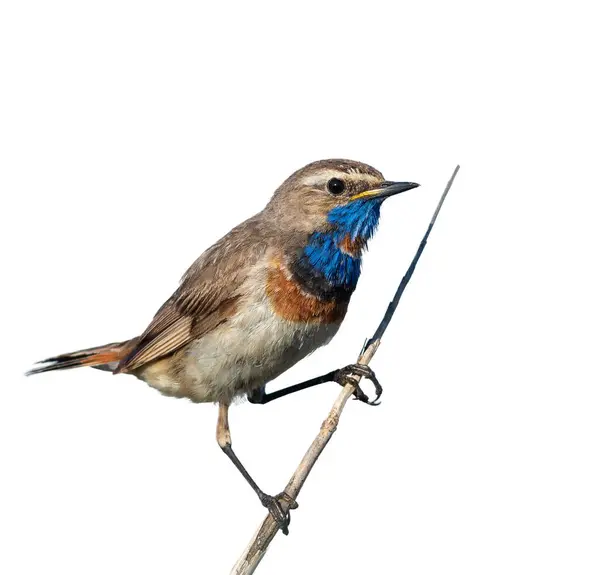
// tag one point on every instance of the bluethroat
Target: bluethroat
(263, 297)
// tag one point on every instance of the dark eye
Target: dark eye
(335, 186)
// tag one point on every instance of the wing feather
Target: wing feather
(207, 297)
(170, 339)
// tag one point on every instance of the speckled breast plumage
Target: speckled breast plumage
(314, 284)
(293, 300)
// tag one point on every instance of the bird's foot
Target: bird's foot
(276, 509)
(343, 376)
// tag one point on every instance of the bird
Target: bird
(263, 297)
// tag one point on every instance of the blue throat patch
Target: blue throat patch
(357, 221)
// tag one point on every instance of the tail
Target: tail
(105, 357)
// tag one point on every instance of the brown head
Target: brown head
(305, 201)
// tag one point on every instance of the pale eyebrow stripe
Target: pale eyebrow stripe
(325, 175)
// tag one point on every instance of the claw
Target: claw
(273, 504)
(342, 377)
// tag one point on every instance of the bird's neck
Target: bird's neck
(330, 263)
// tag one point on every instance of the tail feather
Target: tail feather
(104, 357)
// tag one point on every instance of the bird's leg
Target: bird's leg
(341, 376)
(273, 504)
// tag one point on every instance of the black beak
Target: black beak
(387, 189)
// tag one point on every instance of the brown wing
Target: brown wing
(208, 296)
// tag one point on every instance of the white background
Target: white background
(135, 134)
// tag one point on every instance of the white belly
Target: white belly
(244, 353)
